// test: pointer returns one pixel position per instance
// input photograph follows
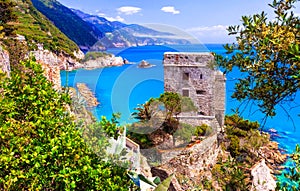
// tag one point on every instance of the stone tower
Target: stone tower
(193, 75)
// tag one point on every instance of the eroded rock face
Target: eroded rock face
(262, 177)
(4, 61)
(51, 59)
(52, 64)
(52, 73)
(106, 61)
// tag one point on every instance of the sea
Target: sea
(123, 88)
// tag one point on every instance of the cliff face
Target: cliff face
(52, 64)
(106, 61)
(4, 61)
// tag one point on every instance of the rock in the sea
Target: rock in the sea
(262, 177)
(145, 64)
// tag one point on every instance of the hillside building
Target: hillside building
(193, 75)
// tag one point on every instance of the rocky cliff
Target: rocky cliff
(106, 61)
(52, 64)
(4, 61)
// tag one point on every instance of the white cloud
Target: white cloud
(208, 28)
(211, 34)
(117, 18)
(297, 14)
(127, 10)
(170, 9)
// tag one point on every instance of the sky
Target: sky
(205, 21)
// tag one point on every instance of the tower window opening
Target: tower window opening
(186, 76)
(200, 92)
(185, 93)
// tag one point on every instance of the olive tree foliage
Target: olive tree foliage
(41, 147)
(169, 105)
(6, 16)
(268, 55)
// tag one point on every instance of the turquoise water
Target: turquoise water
(121, 89)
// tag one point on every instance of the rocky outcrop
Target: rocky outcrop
(4, 61)
(91, 100)
(262, 177)
(145, 64)
(272, 155)
(62, 61)
(52, 64)
(106, 61)
(52, 73)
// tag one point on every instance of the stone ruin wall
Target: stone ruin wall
(210, 102)
(201, 84)
(174, 82)
(194, 158)
(206, 86)
(220, 97)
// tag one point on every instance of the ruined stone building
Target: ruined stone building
(193, 75)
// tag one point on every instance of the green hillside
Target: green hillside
(38, 29)
(69, 23)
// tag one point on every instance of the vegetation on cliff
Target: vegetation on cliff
(267, 53)
(6, 16)
(37, 29)
(82, 33)
(158, 117)
(41, 146)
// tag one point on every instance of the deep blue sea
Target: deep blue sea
(121, 89)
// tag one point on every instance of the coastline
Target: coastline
(90, 98)
(288, 136)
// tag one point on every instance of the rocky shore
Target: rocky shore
(89, 97)
(189, 173)
(106, 61)
(264, 171)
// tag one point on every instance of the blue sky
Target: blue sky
(206, 21)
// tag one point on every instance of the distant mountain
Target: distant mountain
(81, 32)
(92, 32)
(38, 30)
(118, 34)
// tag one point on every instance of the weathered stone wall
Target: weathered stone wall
(188, 58)
(220, 96)
(201, 153)
(4, 61)
(193, 74)
(199, 120)
(175, 82)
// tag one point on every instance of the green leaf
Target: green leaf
(164, 185)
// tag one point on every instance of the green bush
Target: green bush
(234, 147)
(203, 130)
(238, 122)
(184, 132)
(40, 146)
(94, 56)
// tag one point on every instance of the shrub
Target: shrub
(40, 146)
(234, 147)
(203, 130)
